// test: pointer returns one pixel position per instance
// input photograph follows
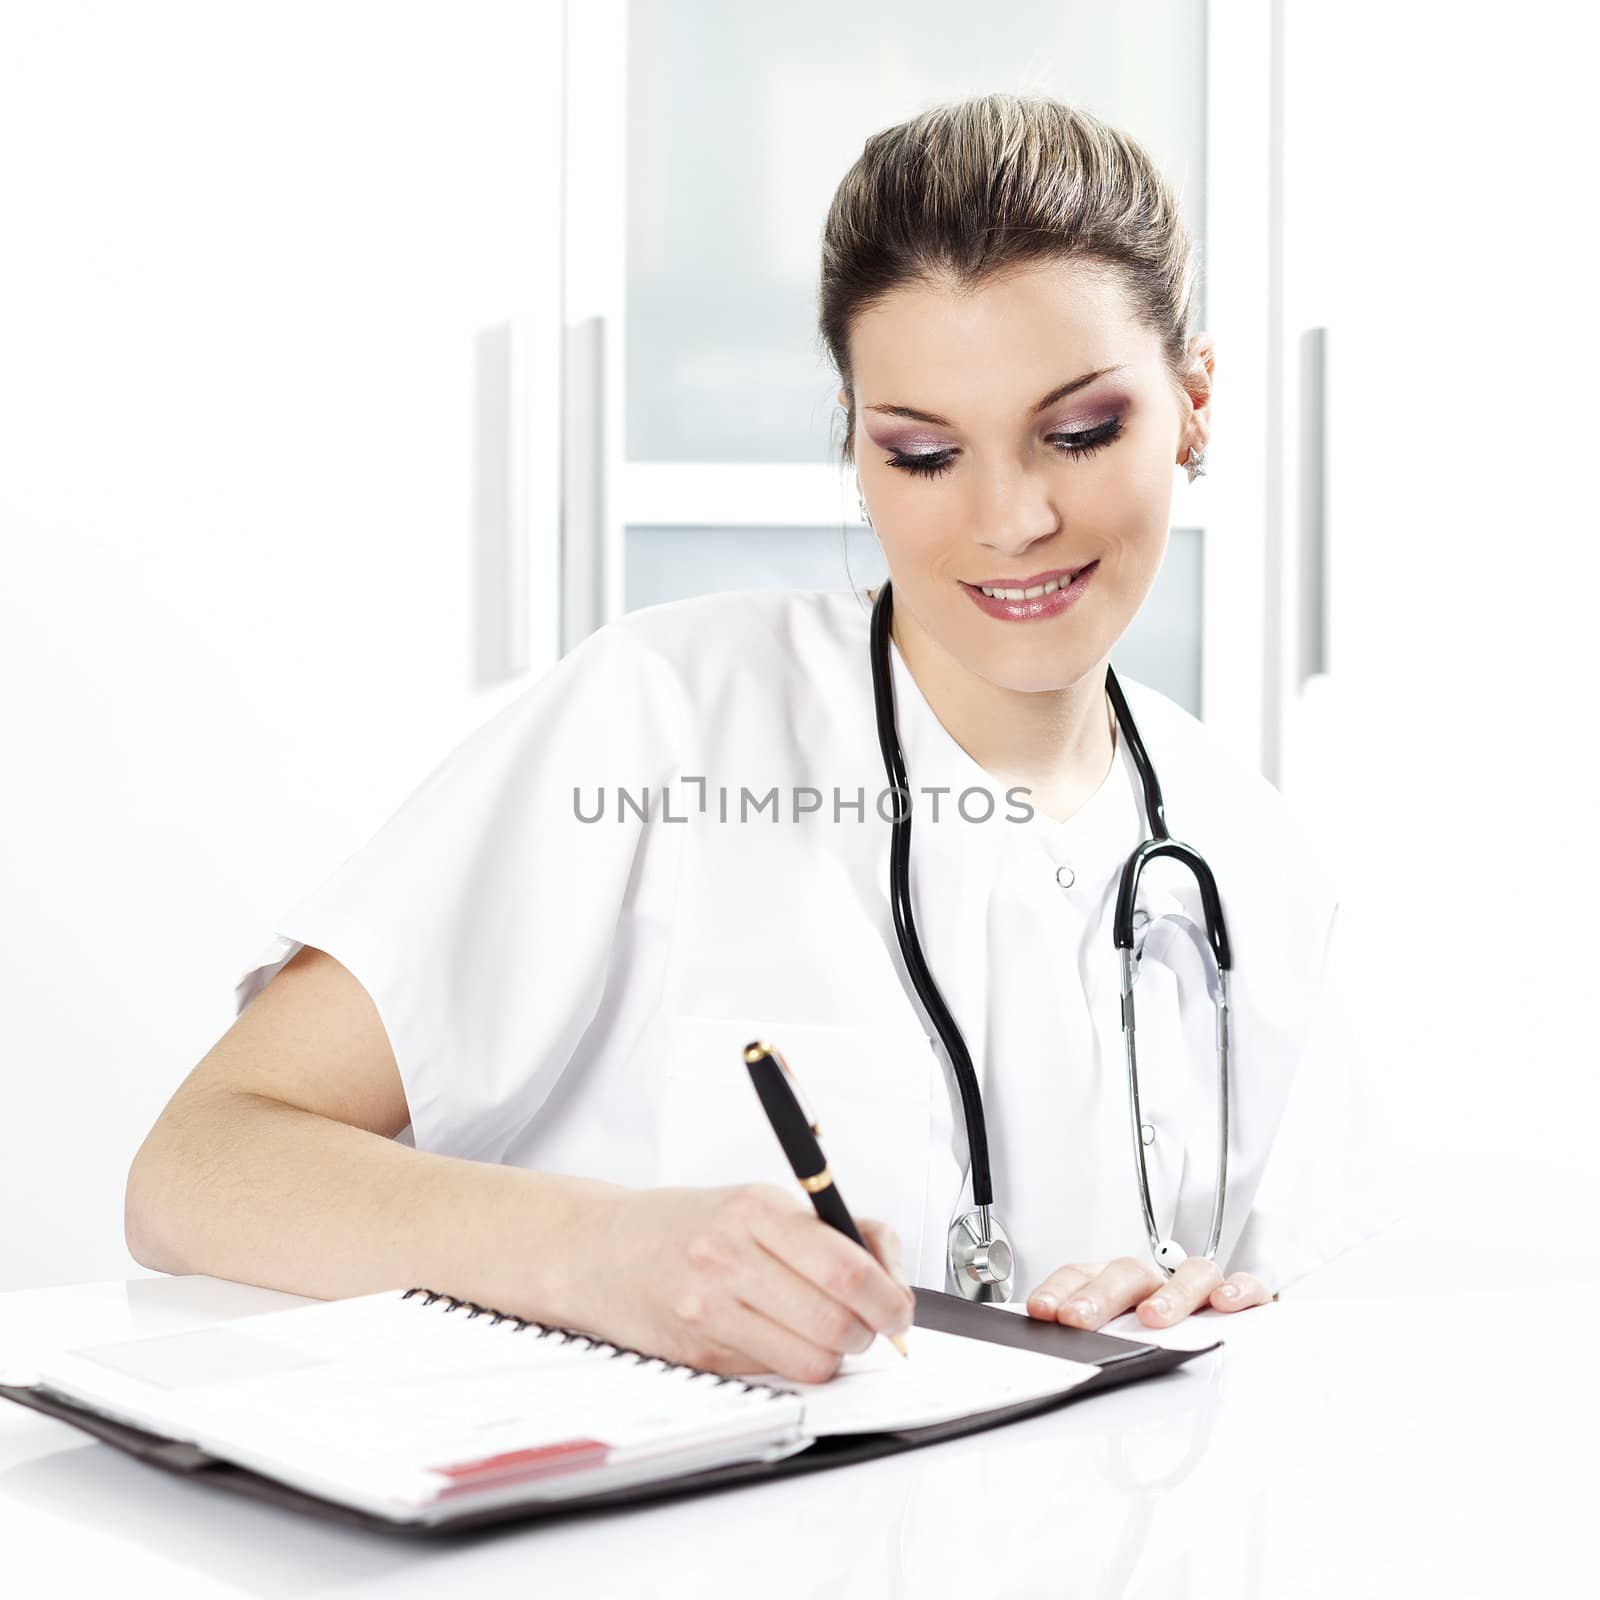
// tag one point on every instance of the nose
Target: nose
(1015, 513)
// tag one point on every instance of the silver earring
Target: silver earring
(1195, 465)
(862, 502)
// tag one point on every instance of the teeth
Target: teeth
(1049, 586)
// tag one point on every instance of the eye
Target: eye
(933, 463)
(929, 464)
(1090, 441)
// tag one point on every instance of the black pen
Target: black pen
(797, 1133)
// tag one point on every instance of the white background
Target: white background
(245, 287)
(252, 256)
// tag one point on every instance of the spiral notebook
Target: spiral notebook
(413, 1411)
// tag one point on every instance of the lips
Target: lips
(1025, 583)
(1063, 593)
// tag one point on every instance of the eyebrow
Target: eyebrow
(1049, 400)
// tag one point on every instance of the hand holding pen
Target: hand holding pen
(797, 1133)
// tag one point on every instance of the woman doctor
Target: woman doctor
(549, 959)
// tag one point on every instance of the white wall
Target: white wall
(1439, 223)
(251, 254)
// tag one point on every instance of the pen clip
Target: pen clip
(794, 1089)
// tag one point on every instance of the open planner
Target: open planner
(412, 1411)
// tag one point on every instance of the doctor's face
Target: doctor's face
(978, 473)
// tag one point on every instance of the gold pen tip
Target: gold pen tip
(754, 1051)
(898, 1342)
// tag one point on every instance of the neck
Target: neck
(1057, 743)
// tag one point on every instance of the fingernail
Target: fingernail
(1161, 1305)
(1046, 1302)
(1085, 1308)
(1230, 1291)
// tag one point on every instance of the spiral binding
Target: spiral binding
(574, 1335)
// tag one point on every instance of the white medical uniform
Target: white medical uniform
(573, 995)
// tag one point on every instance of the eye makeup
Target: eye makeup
(1079, 443)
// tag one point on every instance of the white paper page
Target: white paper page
(1193, 1332)
(940, 1376)
(1196, 1330)
(362, 1399)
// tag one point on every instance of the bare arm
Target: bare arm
(274, 1163)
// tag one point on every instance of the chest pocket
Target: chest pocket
(868, 1089)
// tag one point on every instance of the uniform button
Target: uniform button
(1148, 1132)
(1065, 876)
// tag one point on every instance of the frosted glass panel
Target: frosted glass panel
(674, 563)
(742, 120)
(1160, 648)
(1162, 644)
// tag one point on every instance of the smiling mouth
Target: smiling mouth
(1027, 588)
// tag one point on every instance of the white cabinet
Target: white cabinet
(1436, 224)
(259, 261)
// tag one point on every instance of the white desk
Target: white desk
(1390, 1444)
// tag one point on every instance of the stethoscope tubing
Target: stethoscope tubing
(905, 926)
(1161, 843)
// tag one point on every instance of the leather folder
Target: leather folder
(1121, 1361)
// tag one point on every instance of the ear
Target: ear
(1197, 385)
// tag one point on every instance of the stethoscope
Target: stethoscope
(981, 1260)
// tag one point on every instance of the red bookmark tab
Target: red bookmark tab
(514, 1466)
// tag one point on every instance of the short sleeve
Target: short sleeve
(1332, 1177)
(483, 917)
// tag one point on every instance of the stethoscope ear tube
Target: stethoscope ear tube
(1210, 901)
(900, 904)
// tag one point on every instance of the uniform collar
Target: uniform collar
(1100, 834)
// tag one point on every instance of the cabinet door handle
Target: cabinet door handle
(518, 493)
(1313, 585)
(583, 574)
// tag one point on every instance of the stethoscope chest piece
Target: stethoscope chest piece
(981, 1260)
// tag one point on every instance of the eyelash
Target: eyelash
(919, 465)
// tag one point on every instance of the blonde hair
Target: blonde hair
(967, 192)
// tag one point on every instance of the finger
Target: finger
(831, 1289)
(1119, 1285)
(1046, 1300)
(884, 1242)
(742, 1266)
(1239, 1290)
(712, 1355)
(782, 1292)
(755, 1343)
(1189, 1286)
